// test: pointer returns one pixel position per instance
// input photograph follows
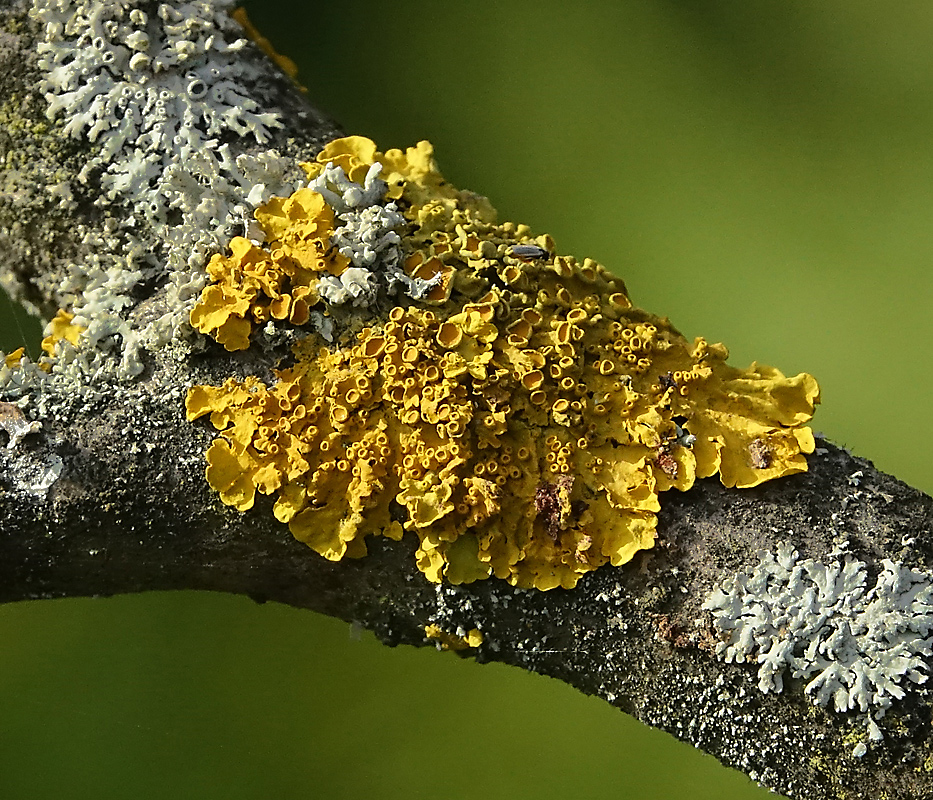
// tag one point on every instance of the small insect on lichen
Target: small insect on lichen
(529, 252)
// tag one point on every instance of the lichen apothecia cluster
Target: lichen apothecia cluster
(506, 404)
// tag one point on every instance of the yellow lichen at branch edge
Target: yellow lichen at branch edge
(284, 62)
(13, 359)
(60, 327)
(452, 641)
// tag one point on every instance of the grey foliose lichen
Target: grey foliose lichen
(367, 234)
(167, 99)
(857, 647)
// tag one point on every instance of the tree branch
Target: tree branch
(107, 495)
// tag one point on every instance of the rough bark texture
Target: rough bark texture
(131, 512)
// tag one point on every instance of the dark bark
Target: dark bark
(131, 511)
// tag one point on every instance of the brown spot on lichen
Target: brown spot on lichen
(667, 462)
(759, 453)
(552, 502)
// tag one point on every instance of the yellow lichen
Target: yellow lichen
(521, 420)
(13, 359)
(284, 62)
(255, 284)
(452, 641)
(60, 327)
(412, 175)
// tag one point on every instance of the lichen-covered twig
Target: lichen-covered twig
(387, 370)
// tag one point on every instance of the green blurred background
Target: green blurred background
(759, 172)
